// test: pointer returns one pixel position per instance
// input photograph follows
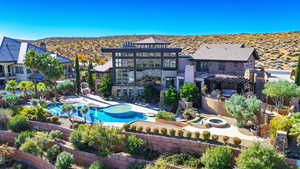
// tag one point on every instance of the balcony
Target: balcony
(10, 74)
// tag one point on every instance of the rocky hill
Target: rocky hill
(276, 50)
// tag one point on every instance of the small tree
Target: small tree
(258, 156)
(53, 152)
(217, 158)
(90, 75)
(171, 98)
(64, 160)
(77, 74)
(242, 109)
(41, 87)
(69, 110)
(33, 61)
(191, 92)
(105, 86)
(84, 110)
(151, 93)
(297, 74)
(25, 86)
(11, 85)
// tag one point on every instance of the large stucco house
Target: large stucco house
(12, 53)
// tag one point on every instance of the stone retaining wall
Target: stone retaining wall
(32, 160)
(214, 106)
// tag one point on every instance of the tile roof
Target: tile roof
(12, 50)
(224, 52)
(152, 40)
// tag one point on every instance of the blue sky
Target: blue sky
(34, 19)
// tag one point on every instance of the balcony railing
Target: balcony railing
(2, 74)
(9, 74)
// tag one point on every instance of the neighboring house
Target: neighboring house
(12, 54)
(218, 66)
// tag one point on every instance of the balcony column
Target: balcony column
(6, 71)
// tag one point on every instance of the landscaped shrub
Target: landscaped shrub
(165, 115)
(150, 154)
(139, 129)
(5, 115)
(217, 158)
(126, 127)
(158, 164)
(36, 113)
(156, 131)
(190, 91)
(55, 134)
(171, 98)
(206, 135)
(280, 123)
(21, 138)
(18, 123)
(148, 130)
(53, 152)
(31, 146)
(53, 119)
(105, 86)
(236, 141)
(135, 165)
(97, 165)
(64, 160)
(259, 156)
(11, 99)
(42, 142)
(134, 145)
(172, 132)
(214, 137)
(197, 135)
(133, 128)
(163, 131)
(151, 93)
(225, 139)
(188, 134)
(66, 88)
(180, 133)
(183, 160)
(77, 140)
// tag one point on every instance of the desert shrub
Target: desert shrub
(42, 142)
(151, 93)
(236, 141)
(180, 133)
(185, 160)
(163, 131)
(156, 131)
(66, 88)
(188, 134)
(197, 135)
(133, 128)
(135, 165)
(53, 152)
(215, 137)
(11, 99)
(53, 119)
(158, 164)
(139, 129)
(18, 123)
(134, 145)
(148, 130)
(165, 115)
(77, 140)
(206, 135)
(21, 138)
(225, 139)
(55, 134)
(5, 115)
(64, 160)
(172, 132)
(97, 165)
(126, 127)
(31, 146)
(280, 123)
(36, 113)
(217, 158)
(259, 156)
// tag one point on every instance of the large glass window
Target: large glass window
(221, 67)
(124, 76)
(148, 76)
(148, 63)
(148, 54)
(202, 66)
(124, 54)
(124, 62)
(168, 54)
(19, 70)
(169, 63)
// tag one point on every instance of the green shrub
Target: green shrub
(64, 160)
(53, 119)
(18, 123)
(21, 138)
(188, 134)
(280, 123)
(158, 164)
(165, 115)
(31, 146)
(180, 133)
(55, 134)
(163, 131)
(236, 141)
(214, 137)
(156, 131)
(42, 142)
(133, 128)
(11, 99)
(135, 165)
(184, 160)
(53, 152)
(172, 132)
(148, 130)
(225, 139)
(5, 115)
(134, 145)
(206, 135)
(171, 98)
(97, 165)
(77, 140)
(126, 127)
(151, 93)
(191, 92)
(197, 135)
(259, 156)
(217, 158)
(139, 129)
(66, 88)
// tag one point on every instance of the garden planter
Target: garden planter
(283, 111)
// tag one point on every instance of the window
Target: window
(124, 76)
(221, 66)
(169, 63)
(124, 62)
(148, 54)
(19, 70)
(123, 54)
(148, 76)
(148, 63)
(202, 66)
(235, 64)
(28, 71)
(168, 54)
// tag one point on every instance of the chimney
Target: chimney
(43, 45)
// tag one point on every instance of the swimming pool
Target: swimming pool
(118, 113)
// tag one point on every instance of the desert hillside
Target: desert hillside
(276, 50)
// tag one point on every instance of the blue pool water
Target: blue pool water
(117, 113)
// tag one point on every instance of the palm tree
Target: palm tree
(84, 111)
(41, 87)
(11, 85)
(32, 60)
(26, 86)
